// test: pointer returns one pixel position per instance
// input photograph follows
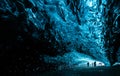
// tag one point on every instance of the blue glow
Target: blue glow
(82, 30)
(62, 33)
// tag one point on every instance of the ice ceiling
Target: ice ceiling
(81, 24)
(59, 33)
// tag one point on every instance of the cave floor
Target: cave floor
(97, 71)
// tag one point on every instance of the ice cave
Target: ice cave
(42, 35)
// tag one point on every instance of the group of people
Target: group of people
(93, 64)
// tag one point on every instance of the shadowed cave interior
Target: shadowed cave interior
(45, 35)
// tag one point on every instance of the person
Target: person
(95, 64)
(88, 64)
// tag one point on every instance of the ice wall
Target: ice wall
(76, 25)
(60, 29)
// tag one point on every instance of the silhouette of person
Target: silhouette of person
(95, 64)
(88, 64)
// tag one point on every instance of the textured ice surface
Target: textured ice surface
(73, 59)
(80, 25)
(60, 31)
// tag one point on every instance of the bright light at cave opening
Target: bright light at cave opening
(91, 64)
(96, 63)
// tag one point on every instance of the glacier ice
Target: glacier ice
(61, 32)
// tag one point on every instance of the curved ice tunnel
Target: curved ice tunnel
(77, 26)
(79, 23)
(59, 33)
